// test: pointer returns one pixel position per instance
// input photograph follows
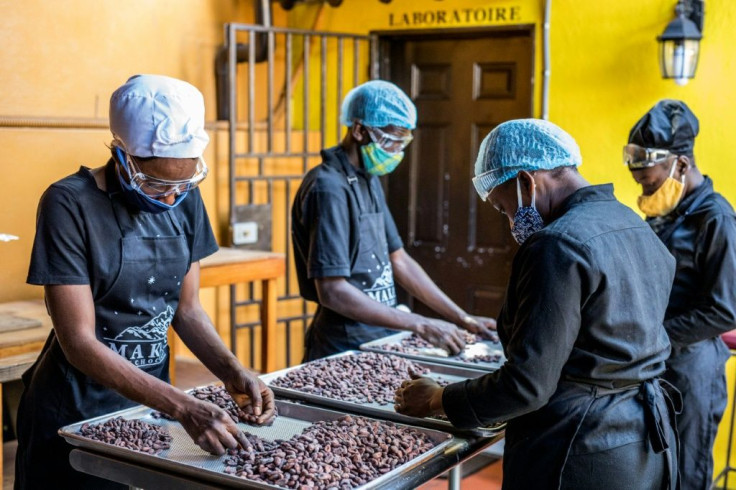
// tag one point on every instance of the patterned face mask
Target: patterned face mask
(527, 219)
(378, 161)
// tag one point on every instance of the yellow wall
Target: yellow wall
(63, 60)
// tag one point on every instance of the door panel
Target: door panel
(463, 86)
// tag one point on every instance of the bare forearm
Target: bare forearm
(197, 332)
(350, 302)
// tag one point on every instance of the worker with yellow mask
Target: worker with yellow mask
(697, 225)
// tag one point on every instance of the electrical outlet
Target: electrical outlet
(245, 233)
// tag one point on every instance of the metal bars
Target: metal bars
(283, 111)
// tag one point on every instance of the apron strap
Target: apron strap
(352, 177)
(652, 394)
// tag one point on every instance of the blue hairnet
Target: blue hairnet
(523, 144)
(378, 104)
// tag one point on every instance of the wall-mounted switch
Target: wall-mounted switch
(245, 233)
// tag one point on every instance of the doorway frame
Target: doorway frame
(384, 40)
(381, 60)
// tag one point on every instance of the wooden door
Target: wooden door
(463, 86)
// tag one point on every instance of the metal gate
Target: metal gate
(282, 112)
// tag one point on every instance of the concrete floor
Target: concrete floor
(191, 373)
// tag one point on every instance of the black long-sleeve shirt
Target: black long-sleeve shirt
(585, 302)
(701, 234)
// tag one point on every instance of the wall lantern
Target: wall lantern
(679, 44)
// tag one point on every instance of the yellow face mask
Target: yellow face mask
(665, 199)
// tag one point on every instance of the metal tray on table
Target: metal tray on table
(186, 458)
(452, 374)
(439, 356)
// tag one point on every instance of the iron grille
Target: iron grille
(276, 137)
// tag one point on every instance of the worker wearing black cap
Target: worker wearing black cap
(698, 227)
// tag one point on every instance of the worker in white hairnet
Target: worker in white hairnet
(347, 249)
(117, 249)
(581, 328)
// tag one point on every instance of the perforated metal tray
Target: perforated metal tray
(435, 355)
(452, 374)
(186, 458)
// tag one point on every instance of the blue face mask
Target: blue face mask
(378, 161)
(139, 199)
(527, 219)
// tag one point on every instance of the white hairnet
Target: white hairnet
(523, 144)
(378, 104)
(159, 116)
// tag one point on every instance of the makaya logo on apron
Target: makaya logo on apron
(383, 289)
(144, 345)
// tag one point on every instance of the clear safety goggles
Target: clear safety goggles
(157, 188)
(390, 143)
(637, 157)
(487, 181)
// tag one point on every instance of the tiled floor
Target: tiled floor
(191, 373)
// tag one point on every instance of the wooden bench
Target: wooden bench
(11, 369)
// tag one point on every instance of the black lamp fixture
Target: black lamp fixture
(679, 44)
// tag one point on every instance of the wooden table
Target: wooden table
(19, 348)
(236, 266)
(27, 340)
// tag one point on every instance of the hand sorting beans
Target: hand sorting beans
(361, 378)
(218, 395)
(416, 345)
(340, 454)
(131, 434)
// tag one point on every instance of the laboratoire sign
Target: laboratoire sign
(444, 17)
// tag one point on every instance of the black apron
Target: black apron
(697, 370)
(371, 272)
(587, 435)
(132, 318)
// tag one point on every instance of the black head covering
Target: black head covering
(669, 125)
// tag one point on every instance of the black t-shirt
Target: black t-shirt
(326, 221)
(78, 234)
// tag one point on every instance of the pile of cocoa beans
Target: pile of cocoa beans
(414, 345)
(360, 378)
(218, 395)
(131, 434)
(340, 454)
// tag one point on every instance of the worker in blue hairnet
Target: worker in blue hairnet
(347, 249)
(581, 327)
(697, 225)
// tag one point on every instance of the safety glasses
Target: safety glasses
(157, 188)
(637, 157)
(390, 143)
(485, 183)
